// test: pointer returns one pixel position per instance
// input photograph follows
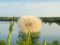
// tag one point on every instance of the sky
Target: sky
(41, 8)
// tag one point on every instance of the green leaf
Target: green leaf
(44, 43)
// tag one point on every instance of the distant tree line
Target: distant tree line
(49, 20)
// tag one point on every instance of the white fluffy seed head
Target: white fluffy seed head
(29, 23)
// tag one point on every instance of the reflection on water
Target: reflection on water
(49, 32)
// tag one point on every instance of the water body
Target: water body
(48, 32)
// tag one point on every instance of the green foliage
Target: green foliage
(2, 42)
(8, 18)
(31, 39)
(49, 20)
(11, 26)
(44, 43)
(35, 38)
(10, 31)
(55, 43)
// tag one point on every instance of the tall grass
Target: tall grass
(10, 31)
(44, 42)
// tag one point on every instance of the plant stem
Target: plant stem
(44, 43)
(9, 38)
(28, 38)
(10, 31)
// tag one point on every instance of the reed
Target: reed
(10, 31)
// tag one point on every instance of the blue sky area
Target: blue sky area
(44, 8)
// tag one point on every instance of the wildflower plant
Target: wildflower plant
(29, 25)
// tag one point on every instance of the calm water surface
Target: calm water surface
(48, 32)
